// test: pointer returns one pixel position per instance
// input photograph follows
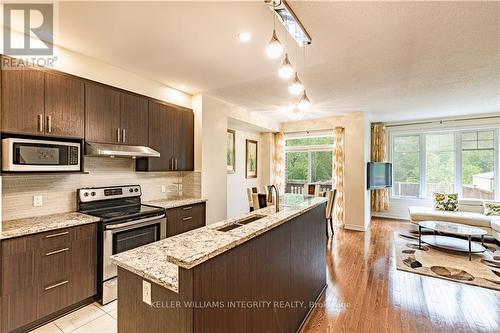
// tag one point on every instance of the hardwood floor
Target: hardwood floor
(367, 294)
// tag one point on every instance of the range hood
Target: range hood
(111, 150)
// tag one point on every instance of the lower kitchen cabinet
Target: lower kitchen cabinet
(45, 273)
(185, 218)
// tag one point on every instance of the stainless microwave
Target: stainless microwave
(40, 155)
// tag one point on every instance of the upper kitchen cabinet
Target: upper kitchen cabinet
(102, 114)
(64, 105)
(134, 119)
(185, 152)
(113, 116)
(162, 125)
(38, 102)
(23, 101)
(171, 133)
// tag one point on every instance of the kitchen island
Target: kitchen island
(261, 272)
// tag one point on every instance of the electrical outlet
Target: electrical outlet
(163, 189)
(37, 201)
(146, 292)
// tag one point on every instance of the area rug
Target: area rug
(482, 271)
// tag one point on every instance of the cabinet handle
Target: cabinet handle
(187, 208)
(56, 285)
(49, 124)
(40, 123)
(118, 134)
(187, 218)
(123, 135)
(171, 164)
(56, 252)
(57, 235)
(176, 166)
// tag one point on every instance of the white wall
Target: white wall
(213, 157)
(237, 183)
(211, 123)
(357, 215)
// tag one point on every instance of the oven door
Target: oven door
(40, 155)
(129, 235)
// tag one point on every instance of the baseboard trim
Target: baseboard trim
(354, 227)
(390, 216)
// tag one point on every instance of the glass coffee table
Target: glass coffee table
(448, 242)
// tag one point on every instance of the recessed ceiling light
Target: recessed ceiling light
(244, 36)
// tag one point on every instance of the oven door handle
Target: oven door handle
(134, 223)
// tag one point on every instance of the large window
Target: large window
(478, 164)
(439, 163)
(406, 151)
(460, 161)
(308, 160)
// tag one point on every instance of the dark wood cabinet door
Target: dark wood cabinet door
(64, 105)
(134, 119)
(18, 287)
(22, 101)
(102, 113)
(185, 141)
(83, 271)
(162, 128)
(186, 218)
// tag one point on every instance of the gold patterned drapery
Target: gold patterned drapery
(338, 174)
(379, 198)
(279, 161)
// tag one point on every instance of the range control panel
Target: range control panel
(106, 193)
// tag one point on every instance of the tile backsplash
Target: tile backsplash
(59, 190)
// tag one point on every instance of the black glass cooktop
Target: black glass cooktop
(125, 212)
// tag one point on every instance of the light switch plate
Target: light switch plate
(37, 201)
(163, 189)
(146, 292)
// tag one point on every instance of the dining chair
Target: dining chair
(259, 200)
(250, 191)
(312, 189)
(331, 196)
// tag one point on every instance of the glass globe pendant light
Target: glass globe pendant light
(274, 47)
(304, 102)
(296, 86)
(286, 70)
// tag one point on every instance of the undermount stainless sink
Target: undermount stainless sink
(241, 222)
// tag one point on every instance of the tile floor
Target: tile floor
(93, 318)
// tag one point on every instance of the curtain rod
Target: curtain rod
(440, 121)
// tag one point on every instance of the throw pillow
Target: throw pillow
(491, 208)
(446, 201)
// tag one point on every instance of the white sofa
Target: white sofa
(469, 212)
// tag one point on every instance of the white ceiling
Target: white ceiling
(394, 60)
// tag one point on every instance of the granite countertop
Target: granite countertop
(159, 261)
(173, 203)
(34, 225)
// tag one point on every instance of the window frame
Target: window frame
(457, 131)
(308, 149)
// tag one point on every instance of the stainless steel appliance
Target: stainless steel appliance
(19, 154)
(125, 224)
(114, 150)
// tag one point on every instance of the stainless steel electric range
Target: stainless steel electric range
(125, 224)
